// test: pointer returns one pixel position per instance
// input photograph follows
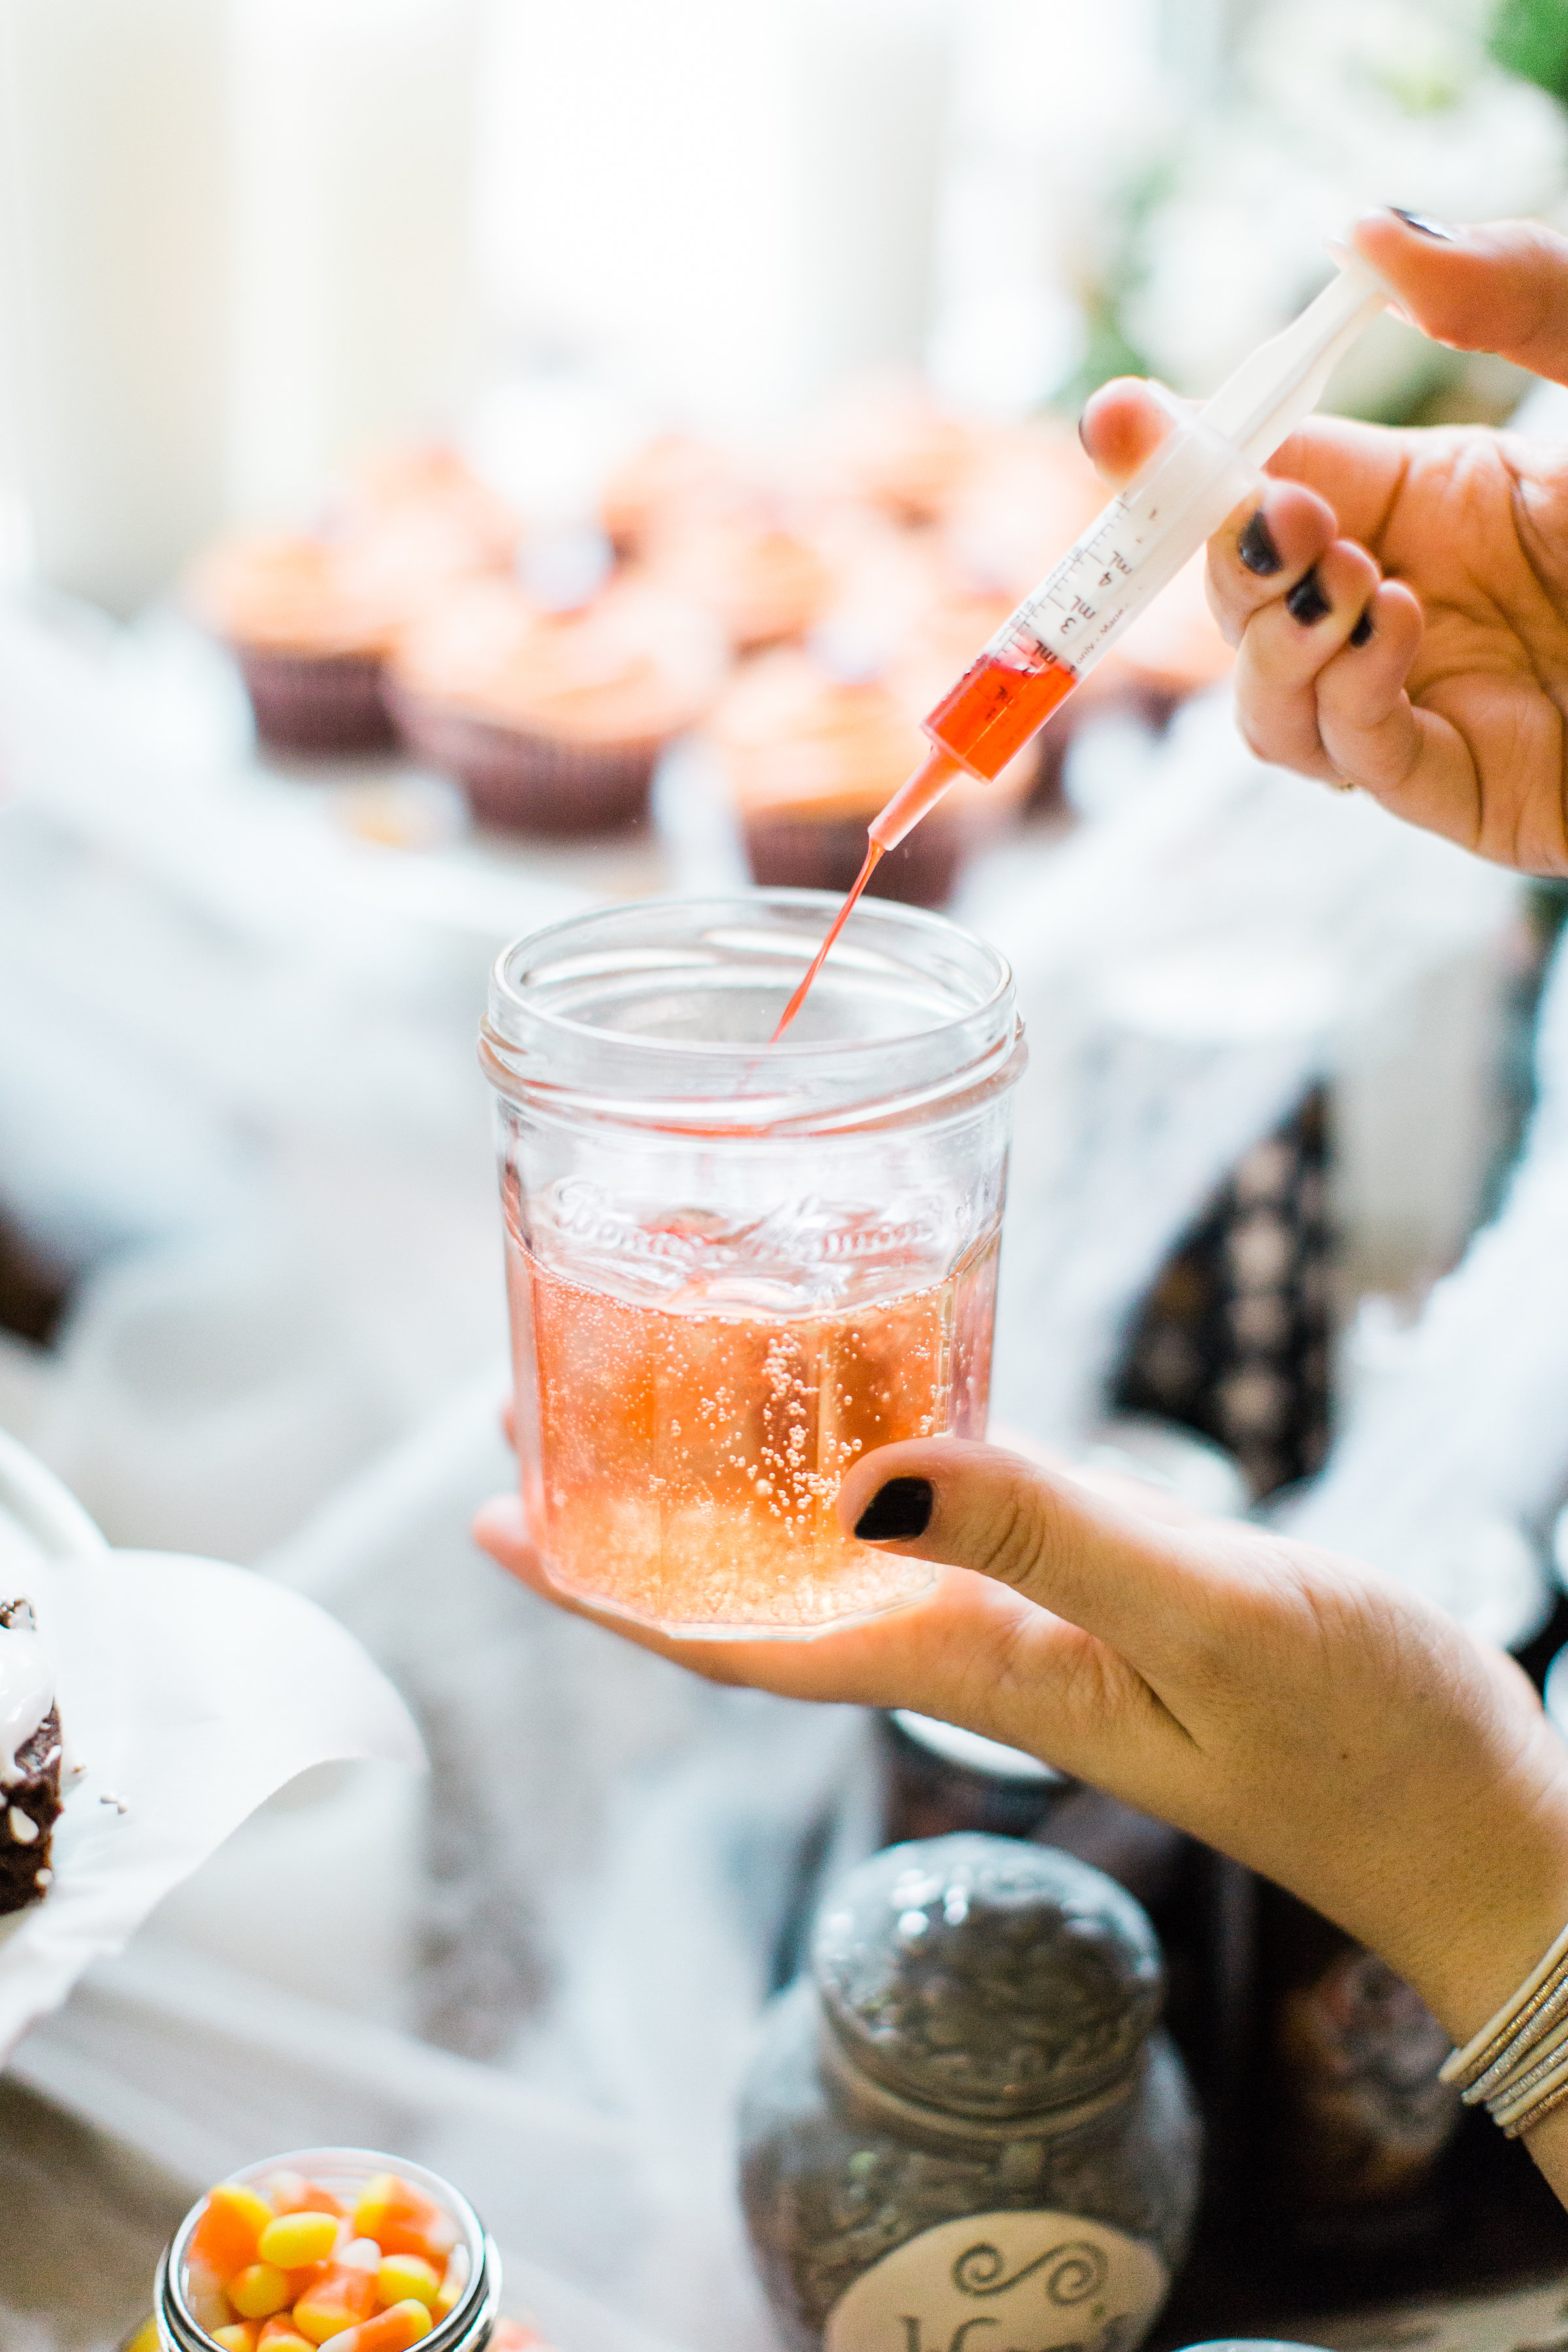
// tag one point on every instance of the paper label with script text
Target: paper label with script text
(1004, 2282)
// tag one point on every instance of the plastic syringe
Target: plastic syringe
(1204, 467)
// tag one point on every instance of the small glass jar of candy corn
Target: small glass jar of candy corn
(332, 2246)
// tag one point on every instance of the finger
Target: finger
(1118, 1575)
(1260, 553)
(969, 1652)
(1366, 723)
(1284, 648)
(509, 1421)
(1499, 287)
(1123, 424)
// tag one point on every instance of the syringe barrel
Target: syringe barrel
(1134, 547)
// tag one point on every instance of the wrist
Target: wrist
(1478, 1902)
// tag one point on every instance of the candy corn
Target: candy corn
(144, 2340)
(280, 2335)
(403, 2219)
(290, 2192)
(259, 2290)
(392, 2330)
(204, 2298)
(453, 2283)
(404, 2276)
(343, 2296)
(240, 2337)
(229, 2231)
(296, 2239)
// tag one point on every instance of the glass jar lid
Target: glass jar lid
(987, 1977)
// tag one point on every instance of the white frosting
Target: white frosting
(26, 1694)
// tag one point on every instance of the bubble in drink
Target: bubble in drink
(681, 1455)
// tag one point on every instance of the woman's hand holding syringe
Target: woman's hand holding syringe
(1400, 599)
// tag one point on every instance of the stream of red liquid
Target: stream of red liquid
(873, 852)
(992, 712)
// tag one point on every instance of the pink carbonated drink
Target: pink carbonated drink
(685, 1455)
(734, 1268)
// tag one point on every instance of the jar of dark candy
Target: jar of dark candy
(965, 2112)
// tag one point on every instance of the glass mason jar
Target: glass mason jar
(468, 2327)
(735, 1266)
(964, 2117)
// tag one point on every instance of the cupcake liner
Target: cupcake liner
(317, 702)
(805, 853)
(531, 783)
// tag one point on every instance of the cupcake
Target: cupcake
(1019, 506)
(764, 583)
(809, 757)
(553, 722)
(311, 619)
(310, 642)
(890, 442)
(29, 1759)
(662, 484)
(427, 482)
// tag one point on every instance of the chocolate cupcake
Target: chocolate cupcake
(553, 722)
(810, 757)
(29, 1760)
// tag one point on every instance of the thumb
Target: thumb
(1502, 285)
(1127, 1578)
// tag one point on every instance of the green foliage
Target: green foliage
(1531, 38)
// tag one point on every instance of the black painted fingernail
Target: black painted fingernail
(1362, 629)
(1256, 549)
(1425, 225)
(1307, 603)
(900, 1509)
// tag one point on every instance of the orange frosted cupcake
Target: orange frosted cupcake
(890, 442)
(762, 582)
(428, 485)
(810, 757)
(310, 635)
(553, 722)
(311, 619)
(1029, 492)
(664, 483)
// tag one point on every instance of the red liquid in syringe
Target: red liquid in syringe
(1001, 702)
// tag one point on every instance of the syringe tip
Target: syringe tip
(913, 800)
